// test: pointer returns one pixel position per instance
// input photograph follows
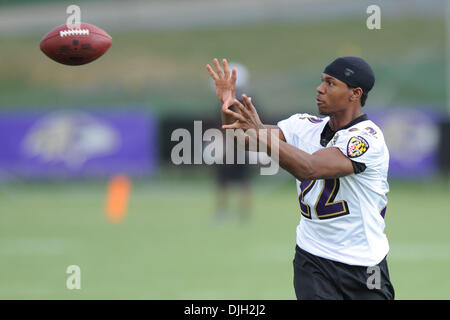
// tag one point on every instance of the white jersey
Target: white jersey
(343, 219)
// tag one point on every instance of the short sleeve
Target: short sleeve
(361, 147)
(289, 126)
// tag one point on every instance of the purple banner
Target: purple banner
(412, 136)
(77, 143)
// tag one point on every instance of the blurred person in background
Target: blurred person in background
(233, 175)
(341, 163)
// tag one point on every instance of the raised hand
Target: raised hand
(225, 83)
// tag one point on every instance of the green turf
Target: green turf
(169, 247)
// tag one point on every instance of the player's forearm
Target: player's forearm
(251, 143)
(247, 139)
(299, 163)
(296, 162)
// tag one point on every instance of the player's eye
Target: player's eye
(330, 83)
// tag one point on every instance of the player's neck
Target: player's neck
(341, 119)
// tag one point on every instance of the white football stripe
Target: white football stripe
(74, 32)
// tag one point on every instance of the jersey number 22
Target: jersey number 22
(325, 206)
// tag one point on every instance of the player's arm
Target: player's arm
(270, 129)
(325, 163)
(276, 130)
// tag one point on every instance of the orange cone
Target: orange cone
(118, 195)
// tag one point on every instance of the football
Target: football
(76, 46)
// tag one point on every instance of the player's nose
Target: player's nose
(320, 88)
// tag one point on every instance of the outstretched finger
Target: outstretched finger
(233, 75)
(241, 107)
(225, 68)
(234, 125)
(211, 72)
(248, 103)
(218, 70)
(235, 115)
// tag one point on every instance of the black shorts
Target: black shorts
(320, 278)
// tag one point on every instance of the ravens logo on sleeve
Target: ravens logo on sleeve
(357, 146)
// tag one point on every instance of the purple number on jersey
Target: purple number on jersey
(325, 206)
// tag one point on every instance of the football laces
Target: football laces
(74, 32)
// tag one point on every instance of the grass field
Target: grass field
(169, 247)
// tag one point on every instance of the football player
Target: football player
(340, 162)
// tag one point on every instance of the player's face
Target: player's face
(333, 95)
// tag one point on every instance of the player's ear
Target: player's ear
(356, 94)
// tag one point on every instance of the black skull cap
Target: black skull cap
(353, 71)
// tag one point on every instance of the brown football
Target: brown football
(76, 46)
